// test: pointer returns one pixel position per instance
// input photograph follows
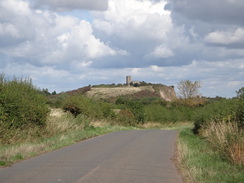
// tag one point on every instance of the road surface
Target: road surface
(137, 156)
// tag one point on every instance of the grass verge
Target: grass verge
(167, 126)
(62, 129)
(199, 163)
(13, 153)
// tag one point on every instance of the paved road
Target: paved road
(142, 156)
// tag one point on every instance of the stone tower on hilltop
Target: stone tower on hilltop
(128, 80)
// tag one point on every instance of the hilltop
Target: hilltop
(112, 91)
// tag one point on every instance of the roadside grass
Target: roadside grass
(198, 163)
(167, 126)
(62, 129)
(227, 139)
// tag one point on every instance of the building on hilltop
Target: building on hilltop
(130, 82)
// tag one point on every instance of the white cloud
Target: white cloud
(162, 52)
(15, 7)
(44, 37)
(8, 29)
(231, 37)
(82, 43)
(137, 27)
(132, 19)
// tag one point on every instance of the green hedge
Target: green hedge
(225, 109)
(164, 114)
(79, 104)
(21, 105)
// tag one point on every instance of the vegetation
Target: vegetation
(62, 129)
(188, 89)
(34, 121)
(198, 162)
(221, 123)
(215, 146)
(226, 139)
(22, 108)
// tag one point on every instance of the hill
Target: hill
(165, 92)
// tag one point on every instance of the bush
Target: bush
(240, 113)
(164, 114)
(157, 113)
(78, 104)
(21, 105)
(225, 109)
(56, 101)
(126, 118)
(137, 109)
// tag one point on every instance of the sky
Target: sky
(68, 44)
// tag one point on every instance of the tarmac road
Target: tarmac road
(137, 156)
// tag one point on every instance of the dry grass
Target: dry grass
(226, 138)
(59, 122)
(25, 150)
(167, 126)
(112, 92)
(188, 173)
(97, 123)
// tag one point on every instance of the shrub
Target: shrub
(56, 101)
(162, 114)
(137, 109)
(191, 102)
(157, 113)
(221, 122)
(21, 105)
(239, 112)
(126, 118)
(79, 104)
(225, 109)
(107, 111)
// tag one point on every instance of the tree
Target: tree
(188, 89)
(240, 93)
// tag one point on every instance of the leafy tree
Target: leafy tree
(45, 92)
(240, 93)
(188, 89)
(136, 84)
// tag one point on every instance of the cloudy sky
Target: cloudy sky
(68, 44)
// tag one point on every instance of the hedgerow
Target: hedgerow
(21, 106)
(224, 109)
(221, 123)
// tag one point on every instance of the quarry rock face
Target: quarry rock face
(167, 93)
